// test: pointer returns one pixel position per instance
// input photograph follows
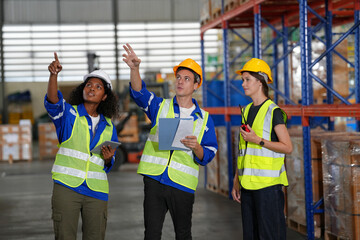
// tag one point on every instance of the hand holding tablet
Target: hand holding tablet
(97, 150)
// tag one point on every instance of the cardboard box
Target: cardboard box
(15, 142)
(48, 141)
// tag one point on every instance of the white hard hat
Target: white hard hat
(99, 74)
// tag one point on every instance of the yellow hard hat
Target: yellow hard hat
(191, 64)
(258, 66)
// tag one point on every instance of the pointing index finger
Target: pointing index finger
(56, 57)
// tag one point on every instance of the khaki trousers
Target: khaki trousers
(66, 208)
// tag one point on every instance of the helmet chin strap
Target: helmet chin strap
(264, 75)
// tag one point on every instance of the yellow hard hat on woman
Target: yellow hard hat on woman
(258, 66)
(191, 64)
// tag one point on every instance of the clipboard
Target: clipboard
(97, 150)
(168, 129)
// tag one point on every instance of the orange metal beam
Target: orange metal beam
(340, 8)
(320, 110)
(343, 13)
(343, 4)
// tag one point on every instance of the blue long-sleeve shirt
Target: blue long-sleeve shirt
(63, 116)
(150, 104)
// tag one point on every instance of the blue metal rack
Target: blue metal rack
(308, 17)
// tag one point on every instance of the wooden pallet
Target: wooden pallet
(216, 13)
(230, 4)
(301, 228)
(205, 21)
(224, 192)
(215, 189)
(212, 188)
(243, 1)
(331, 236)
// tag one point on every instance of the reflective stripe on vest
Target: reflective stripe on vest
(74, 163)
(182, 167)
(261, 172)
(82, 156)
(154, 160)
(259, 167)
(264, 152)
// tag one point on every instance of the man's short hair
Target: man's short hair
(196, 76)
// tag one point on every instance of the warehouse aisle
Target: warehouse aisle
(25, 207)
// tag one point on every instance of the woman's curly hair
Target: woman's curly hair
(109, 108)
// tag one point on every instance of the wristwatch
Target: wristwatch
(261, 143)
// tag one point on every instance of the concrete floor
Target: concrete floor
(25, 207)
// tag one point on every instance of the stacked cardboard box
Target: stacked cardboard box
(295, 206)
(218, 169)
(205, 11)
(341, 174)
(215, 8)
(230, 4)
(15, 142)
(212, 171)
(296, 211)
(223, 161)
(243, 1)
(48, 141)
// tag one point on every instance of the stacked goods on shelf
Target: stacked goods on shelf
(130, 132)
(296, 211)
(48, 141)
(341, 73)
(295, 192)
(235, 135)
(27, 111)
(20, 107)
(217, 170)
(205, 11)
(223, 161)
(341, 176)
(215, 8)
(230, 4)
(212, 171)
(14, 112)
(15, 142)
(243, 1)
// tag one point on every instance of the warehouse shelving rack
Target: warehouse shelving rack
(308, 16)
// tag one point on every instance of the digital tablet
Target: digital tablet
(112, 144)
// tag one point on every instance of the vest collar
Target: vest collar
(82, 112)
(259, 106)
(197, 108)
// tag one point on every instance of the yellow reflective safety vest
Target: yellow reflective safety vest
(74, 163)
(183, 169)
(259, 167)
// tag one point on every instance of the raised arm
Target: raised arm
(133, 62)
(54, 68)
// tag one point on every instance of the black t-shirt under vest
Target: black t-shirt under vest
(277, 118)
